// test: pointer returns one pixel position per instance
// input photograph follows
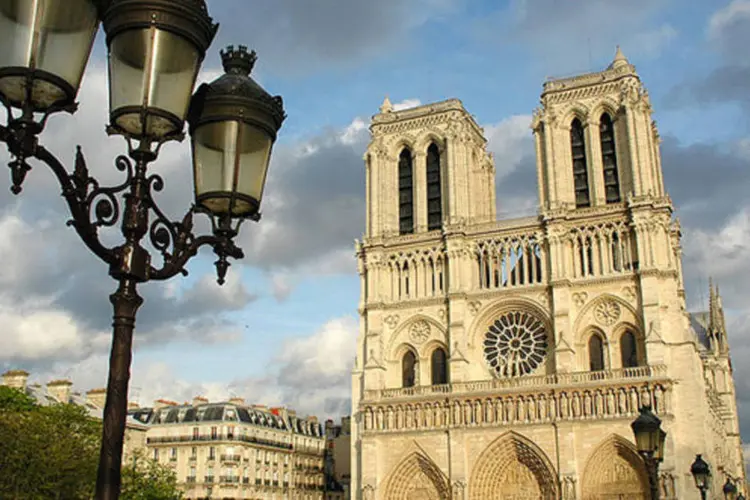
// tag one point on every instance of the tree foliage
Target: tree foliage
(52, 452)
(145, 479)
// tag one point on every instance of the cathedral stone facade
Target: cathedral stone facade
(507, 359)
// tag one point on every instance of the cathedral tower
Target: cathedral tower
(507, 359)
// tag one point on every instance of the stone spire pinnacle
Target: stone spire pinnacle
(386, 107)
(619, 60)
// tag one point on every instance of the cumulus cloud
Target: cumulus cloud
(303, 37)
(581, 33)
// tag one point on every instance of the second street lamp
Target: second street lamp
(155, 51)
(649, 439)
(701, 475)
(729, 489)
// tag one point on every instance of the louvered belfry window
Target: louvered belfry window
(609, 159)
(580, 168)
(405, 193)
(434, 200)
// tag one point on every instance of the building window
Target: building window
(580, 168)
(230, 432)
(434, 199)
(214, 433)
(156, 454)
(194, 452)
(405, 193)
(212, 453)
(609, 159)
(173, 454)
(409, 366)
(628, 350)
(196, 433)
(439, 366)
(596, 353)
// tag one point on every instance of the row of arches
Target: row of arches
(438, 367)
(579, 153)
(629, 346)
(406, 190)
(514, 467)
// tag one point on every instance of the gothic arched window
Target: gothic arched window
(405, 193)
(409, 369)
(609, 159)
(439, 366)
(580, 167)
(596, 353)
(434, 200)
(628, 350)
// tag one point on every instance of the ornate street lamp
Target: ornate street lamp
(740, 497)
(155, 51)
(649, 439)
(729, 489)
(702, 475)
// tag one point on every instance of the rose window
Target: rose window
(515, 344)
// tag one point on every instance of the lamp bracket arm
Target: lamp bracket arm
(178, 244)
(81, 192)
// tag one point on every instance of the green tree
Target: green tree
(52, 452)
(145, 479)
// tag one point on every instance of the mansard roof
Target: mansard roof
(225, 412)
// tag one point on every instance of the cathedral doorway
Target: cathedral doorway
(417, 478)
(615, 471)
(513, 468)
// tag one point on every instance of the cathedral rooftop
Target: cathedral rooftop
(619, 68)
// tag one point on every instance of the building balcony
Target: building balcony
(229, 479)
(231, 458)
(208, 479)
(522, 400)
(221, 437)
(192, 458)
(190, 479)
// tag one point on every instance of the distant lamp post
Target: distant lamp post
(740, 497)
(155, 48)
(649, 439)
(729, 489)
(702, 475)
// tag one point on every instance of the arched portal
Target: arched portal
(417, 478)
(513, 468)
(615, 471)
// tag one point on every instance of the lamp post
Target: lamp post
(649, 439)
(156, 48)
(701, 474)
(729, 489)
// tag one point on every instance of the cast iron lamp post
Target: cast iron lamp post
(155, 48)
(701, 474)
(649, 439)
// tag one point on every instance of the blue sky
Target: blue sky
(282, 330)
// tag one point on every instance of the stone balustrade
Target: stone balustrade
(518, 401)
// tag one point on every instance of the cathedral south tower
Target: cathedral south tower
(506, 359)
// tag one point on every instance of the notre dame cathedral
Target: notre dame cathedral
(506, 359)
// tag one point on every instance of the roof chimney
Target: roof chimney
(60, 390)
(16, 379)
(97, 397)
(237, 401)
(132, 405)
(199, 400)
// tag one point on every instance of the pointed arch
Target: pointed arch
(416, 477)
(609, 159)
(405, 192)
(596, 352)
(434, 188)
(615, 470)
(513, 465)
(439, 366)
(580, 164)
(629, 357)
(409, 368)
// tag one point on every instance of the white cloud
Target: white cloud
(738, 10)
(510, 140)
(651, 43)
(406, 104)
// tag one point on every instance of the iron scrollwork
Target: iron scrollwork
(93, 206)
